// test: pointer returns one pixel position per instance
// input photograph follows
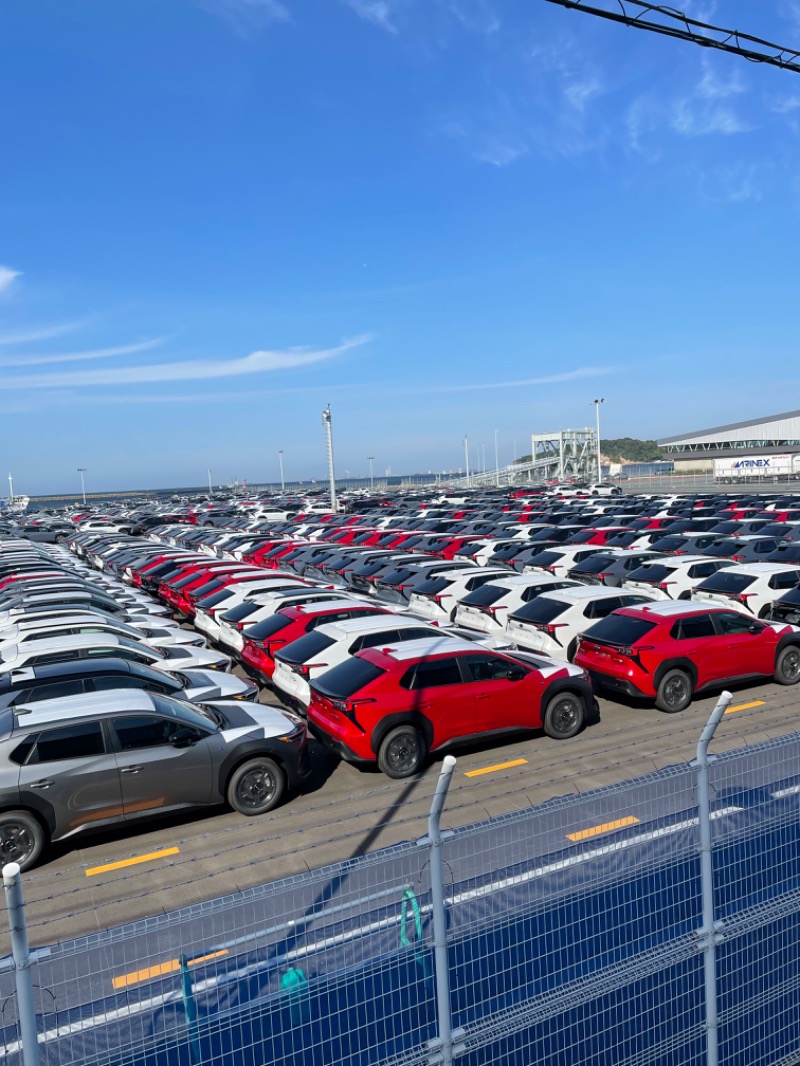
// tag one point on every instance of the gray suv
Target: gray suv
(109, 758)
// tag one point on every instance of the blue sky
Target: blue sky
(441, 216)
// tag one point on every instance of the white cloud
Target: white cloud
(246, 16)
(74, 357)
(41, 333)
(7, 276)
(190, 370)
(690, 119)
(379, 12)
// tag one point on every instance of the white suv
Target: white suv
(675, 577)
(327, 646)
(234, 623)
(753, 586)
(437, 598)
(488, 608)
(552, 623)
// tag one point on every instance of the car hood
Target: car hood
(257, 719)
(203, 685)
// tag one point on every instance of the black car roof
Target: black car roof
(80, 668)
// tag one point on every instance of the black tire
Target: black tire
(675, 691)
(685, 596)
(787, 665)
(571, 650)
(256, 786)
(60, 538)
(564, 716)
(22, 839)
(764, 612)
(402, 752)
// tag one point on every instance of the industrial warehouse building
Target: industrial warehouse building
(757, 438)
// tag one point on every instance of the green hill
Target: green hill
(630, 450)
(622, 450)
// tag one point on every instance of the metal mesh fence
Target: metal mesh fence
(575, 933)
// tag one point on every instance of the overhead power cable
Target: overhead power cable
(672, 23)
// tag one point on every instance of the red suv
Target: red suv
(264, 638)
(395, 704)
(669, 650)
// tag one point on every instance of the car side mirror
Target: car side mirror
(183, 738)
(516, 673)
(754, 628)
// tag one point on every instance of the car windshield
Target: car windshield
(347, 679)
(191, 714)
(542, 609)
(653, 572)
(300, 651)
(619, 629)
(727, 580)
(267, 627)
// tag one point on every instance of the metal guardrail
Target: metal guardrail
(657, 920)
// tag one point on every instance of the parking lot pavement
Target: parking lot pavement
(113, 878)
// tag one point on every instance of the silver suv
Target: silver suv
(109, 758)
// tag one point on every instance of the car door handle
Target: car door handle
(41, 784)
(487, 696)
(130, 770)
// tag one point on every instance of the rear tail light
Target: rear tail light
(550, 629)
(304, 669)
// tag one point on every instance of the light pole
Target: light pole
(597, 404)
(280, 459)
(326, 422)
(371, 479)
(483, 457)
(82, 471)
(466, 459)
(210, 490)
(496, 462)
(10, 488)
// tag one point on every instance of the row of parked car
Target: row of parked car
(387, 634)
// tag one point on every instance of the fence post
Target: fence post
(26, 1007)
(444, 1046)
(708, 935)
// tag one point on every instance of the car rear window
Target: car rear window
(208, 587)
(347, 679)
(267, 627)
(240, 611)
(595, 564)
(214, 599)
(432, 586)
(541, 609)
(727, 581)
(396, 577)
(619, 629)
(654, 572)
(301, 650)
(185, 581)
(545, 558)
(485, 596)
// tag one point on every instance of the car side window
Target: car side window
(601, 608)
(693, 628)
(55, 691)
(487, 668)
(432, 674)
(374, 640)
(80, 740)
(145, 731)
(108, 684)
(786, 580)
(52, 657)
(731, 623)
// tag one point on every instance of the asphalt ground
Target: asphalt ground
(115, 877)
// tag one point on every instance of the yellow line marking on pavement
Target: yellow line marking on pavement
(745, 706)
(131, 862)
(163, 968)
(606, 827)
(493, 769)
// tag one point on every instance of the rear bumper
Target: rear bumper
(336, 746)
(612, 683)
